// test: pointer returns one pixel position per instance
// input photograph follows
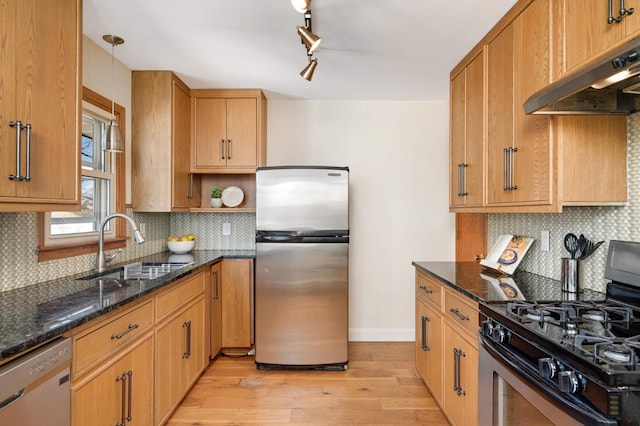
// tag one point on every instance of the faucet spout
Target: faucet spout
(102, 259)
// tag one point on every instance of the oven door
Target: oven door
(512, 395)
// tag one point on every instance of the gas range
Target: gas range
(586, 351)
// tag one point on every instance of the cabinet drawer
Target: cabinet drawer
(179, 294)
(462, 312)
(429, 289)
(111, 335)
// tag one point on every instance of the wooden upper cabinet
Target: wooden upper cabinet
(229, 131)
(40, 86)
(161, 119)
(467, 135)
(520, 148)
(588, 32)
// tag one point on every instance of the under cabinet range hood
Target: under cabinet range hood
(609, 86)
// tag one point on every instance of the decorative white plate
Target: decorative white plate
(232, 196)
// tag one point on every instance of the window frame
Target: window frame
(52, 252)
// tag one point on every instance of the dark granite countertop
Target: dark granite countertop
(38, 313)
(474, 281)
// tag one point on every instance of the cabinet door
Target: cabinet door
(588, 32)
(100, 401)
(467, 135)
(180, 355)
(237, 303)
(210, 129)
(181, 127)
(460, 385)
(242, 132)
(474, 125)
(458, 139)
(46, 79)
(429, 347)
(500, 114)
(532, 168)
(216, 310)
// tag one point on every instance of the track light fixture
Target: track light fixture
(308, 38)
(113, 140)
(301, 5)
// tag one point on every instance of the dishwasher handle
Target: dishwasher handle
(12, 398)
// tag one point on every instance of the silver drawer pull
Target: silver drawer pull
(128, 330)
(457, 313)
(425, 289)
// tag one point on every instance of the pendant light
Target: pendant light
(113, 140)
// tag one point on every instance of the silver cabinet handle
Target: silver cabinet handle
(425, 319)
(28, 175)
(455, 369)
(187, 325)
(425, 289)
(130, 379)
(222, 149)
(459, 180)
(217, 293)
(228, 149)
(611, 19)
(459, 389)
(128, 330)
(18, 126)
(505, 178)
(464, 179)
(457, 313)
(624, 11)
(511, 185)
(123, 379)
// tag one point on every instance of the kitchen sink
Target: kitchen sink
(139, 271)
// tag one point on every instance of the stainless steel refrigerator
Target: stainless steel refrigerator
(302, 274)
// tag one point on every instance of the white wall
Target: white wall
(398, 154)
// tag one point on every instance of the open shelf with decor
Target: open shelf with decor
(245, 182)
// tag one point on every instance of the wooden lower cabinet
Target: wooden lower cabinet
(104, 398)
(237, 303)
(429, 347)
(460, 384)
(447, 348)
(179, 357)
(215, 310)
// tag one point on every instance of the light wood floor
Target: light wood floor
(380, 387)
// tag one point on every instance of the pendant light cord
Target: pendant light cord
(113, 84)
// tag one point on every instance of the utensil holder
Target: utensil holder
(571, 276)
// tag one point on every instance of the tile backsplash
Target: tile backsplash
(19, 266)
(596, 223)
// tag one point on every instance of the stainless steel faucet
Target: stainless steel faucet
(103, 259)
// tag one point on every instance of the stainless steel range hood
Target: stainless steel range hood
(610, 86)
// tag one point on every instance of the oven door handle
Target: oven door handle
(521, 368)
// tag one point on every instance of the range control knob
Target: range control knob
(498, 335)
(618, 62)
(633, 56)
(568, 382)
(487, 328)
(547, 367)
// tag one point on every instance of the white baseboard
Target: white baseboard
(381, 335)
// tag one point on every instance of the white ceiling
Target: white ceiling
(370, 50)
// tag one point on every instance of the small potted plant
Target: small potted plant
(216, 197)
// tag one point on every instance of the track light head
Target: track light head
(307, 72)
(309, 39)
(301, 5)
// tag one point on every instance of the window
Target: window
(69, 233)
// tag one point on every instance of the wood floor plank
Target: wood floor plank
(380, 387)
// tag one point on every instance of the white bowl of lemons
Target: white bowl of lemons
(181, 245)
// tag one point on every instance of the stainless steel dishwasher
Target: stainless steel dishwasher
(35, 389)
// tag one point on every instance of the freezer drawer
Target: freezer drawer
(302, 199)
(302, 296)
